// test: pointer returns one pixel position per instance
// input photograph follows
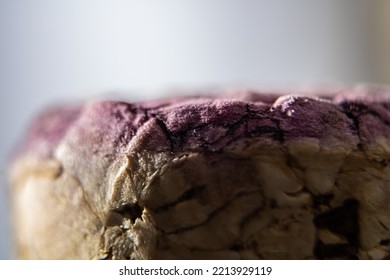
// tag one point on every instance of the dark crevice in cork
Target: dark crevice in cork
(278, 134)
(237, 247)
(385, 242)
(343, 221)
(322, 200)
(166, 132)
(354, 111)
(130, 211)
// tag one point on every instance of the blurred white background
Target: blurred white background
(58, 51)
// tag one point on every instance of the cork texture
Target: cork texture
(244, 176)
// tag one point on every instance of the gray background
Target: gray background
(58, 51)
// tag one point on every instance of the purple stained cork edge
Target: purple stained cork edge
(211, 123)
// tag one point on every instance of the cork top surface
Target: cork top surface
(211, 123)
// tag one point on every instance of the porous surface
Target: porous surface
(245, 176)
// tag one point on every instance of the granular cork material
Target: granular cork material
(242, 176)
